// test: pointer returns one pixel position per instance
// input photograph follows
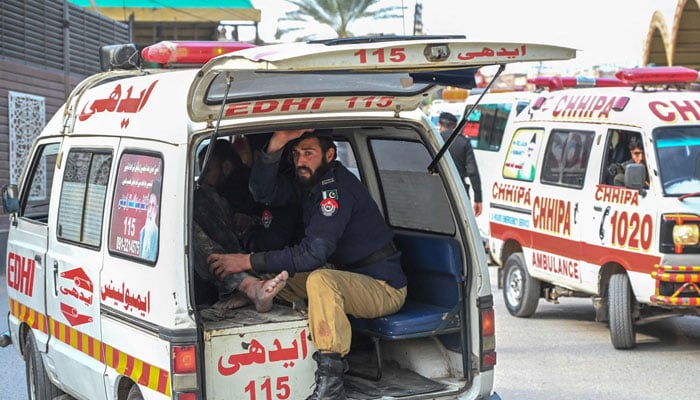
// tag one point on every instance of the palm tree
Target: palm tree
(336, 14)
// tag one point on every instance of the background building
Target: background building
(154, 21)
(46, 48)
(675, 39)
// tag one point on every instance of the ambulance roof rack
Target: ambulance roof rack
(650, 77)
(165, 54)
(645, 78)
(562, 82)
(189, 53)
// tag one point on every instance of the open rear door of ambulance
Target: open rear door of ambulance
(427, 61)
(336, 76)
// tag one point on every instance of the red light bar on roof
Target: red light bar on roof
(657, 75)
(561, 82)
(189, 52)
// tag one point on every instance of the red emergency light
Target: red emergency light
(189, 52)
(561, 82)
(657, 75)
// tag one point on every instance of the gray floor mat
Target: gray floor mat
(395, 382)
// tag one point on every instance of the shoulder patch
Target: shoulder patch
(329, 207)
(330, 194)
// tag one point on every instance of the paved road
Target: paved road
(12, 381)
(562, 353)
(559, 353)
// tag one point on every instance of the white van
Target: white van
(486, 123)
(99, 311)
(560, 226)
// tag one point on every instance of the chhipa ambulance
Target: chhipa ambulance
(100, 277)
(486, 114)
(571, 215)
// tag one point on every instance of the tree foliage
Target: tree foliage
(339, 15)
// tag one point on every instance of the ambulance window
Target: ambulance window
(617, 152)
(678, 155)
(486, 124)
(521, 159)
(566, 158)
(83, 196)
(135, 223)
(36, 199)
(414, 198)
(347, 157)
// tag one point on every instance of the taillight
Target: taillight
(184, 376)
(184, 359)
(487, 322)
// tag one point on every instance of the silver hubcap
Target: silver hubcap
(514, 287)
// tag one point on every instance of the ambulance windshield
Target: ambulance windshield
(678, 152)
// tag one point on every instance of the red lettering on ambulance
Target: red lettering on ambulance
(560, 266)
(237, 109)
(596, 107)
(552, 215)
(511, 194)
(661, 111)
(686, 110)
(117, 102)
(598, 104)
(583, 105)
(617, 195)
(20, 273)
(265, 106)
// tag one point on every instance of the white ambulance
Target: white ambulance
(489, 114)
(98, 311)
(599, 196)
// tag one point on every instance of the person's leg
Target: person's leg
(332, 295)
(262, 292)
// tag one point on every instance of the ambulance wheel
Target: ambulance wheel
(134, 393)
(521, 292)
(620, 306)
(39, 386)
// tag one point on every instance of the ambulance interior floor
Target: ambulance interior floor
(395, 381)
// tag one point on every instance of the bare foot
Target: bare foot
(263, 292)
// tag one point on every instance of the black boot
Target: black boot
(329, 377)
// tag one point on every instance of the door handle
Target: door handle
(55, 278)
(37, 258)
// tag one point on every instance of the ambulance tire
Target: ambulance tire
(521, 292)
(620, 305)
(134, 393)
(39, 386)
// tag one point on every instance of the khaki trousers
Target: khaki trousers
(332, 294)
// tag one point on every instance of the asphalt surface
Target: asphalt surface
(558, 353)
(12, 380)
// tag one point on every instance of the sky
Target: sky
(606, 32)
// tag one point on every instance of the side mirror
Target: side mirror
(635, 176)
(10, 198)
